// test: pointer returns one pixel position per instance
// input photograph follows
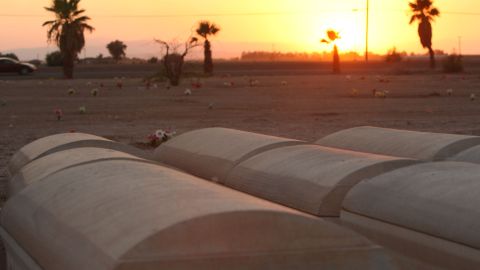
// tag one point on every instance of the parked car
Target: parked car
(14, 66)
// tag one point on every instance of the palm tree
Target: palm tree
(425, 13)
(67, 31)
(332, 36)
(205, 29)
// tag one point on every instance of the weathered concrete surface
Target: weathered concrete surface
(212, 152)
(400, 143)
(310, 178)
(49, 164)
(412, 250)
(471, 155)
(431, 209)
(64, 141)
(133, 215)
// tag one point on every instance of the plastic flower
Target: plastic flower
(59, 113)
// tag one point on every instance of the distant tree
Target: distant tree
(204, 30)
(439, 52)
(152, 60)
(54, 59)
(332, 36)
(67, 31)
(173, 60)
(425, 13)
(117, 49)
(9, 55)
(393, 56)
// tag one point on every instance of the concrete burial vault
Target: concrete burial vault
(400, 143)
(126, 214)
(59, 142)
(310, 178)
(427, 211)
(211, 153)
(471, 155)
(49, 164)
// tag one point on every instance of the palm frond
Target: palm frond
(206, 28)
(412, 19)
(81, 19)
(51, 9)
(77, 12)
(434, 12)
(48, 23)
(333, 35)
(87, 27)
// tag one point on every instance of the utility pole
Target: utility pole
(366, 32)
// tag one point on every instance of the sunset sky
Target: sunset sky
(281, 25)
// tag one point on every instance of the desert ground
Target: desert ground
(301, 101)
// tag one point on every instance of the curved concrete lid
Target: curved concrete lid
(400, 143)
(211, 153)
(49, 164)
(54, 143)
(133, 215)
(440, 199)
(310, 178)
(471, 155)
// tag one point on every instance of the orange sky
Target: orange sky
(283, 25)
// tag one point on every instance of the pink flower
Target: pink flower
(59, 113)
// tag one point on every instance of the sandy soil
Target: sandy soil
(307, 107)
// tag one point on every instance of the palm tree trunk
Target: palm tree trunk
(336, 60)
(68, 66)
(432, 57)
(208, 62)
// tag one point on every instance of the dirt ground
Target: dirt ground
(302, 107)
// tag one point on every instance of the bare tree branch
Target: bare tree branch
(191, 43)
(161, 42)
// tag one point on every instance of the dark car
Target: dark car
(14, 66)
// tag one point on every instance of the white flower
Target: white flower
(163, 135)
(254, 82)
(160, 133)
(381, 94)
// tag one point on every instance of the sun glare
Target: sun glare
(350, 26)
